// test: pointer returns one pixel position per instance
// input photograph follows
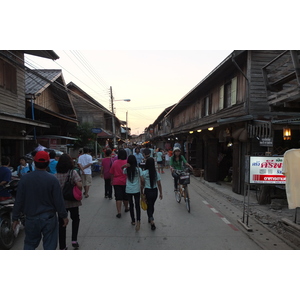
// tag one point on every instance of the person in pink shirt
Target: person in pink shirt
(118, 180)
(105, 174)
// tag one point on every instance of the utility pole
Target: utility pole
(113, 119)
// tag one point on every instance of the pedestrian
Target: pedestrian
(23, 167)
(105, 174)
(138, 155)
(85, 162)
(53, 162)
(150, 188)
(167, 159)
(177, 162)
(39, 198)
(5, 178)
(133, 189)
(159, 160)
(65, 167)
(118, 180)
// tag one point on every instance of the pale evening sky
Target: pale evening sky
(152, 79)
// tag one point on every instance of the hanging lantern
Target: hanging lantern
(287, 133)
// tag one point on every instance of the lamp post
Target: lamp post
(113, 116)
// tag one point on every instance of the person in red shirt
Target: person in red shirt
(118, 180)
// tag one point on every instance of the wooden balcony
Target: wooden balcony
(282, 80)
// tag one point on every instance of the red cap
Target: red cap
(42, 156)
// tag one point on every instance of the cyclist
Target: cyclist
(177, 162)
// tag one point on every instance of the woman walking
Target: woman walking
(152, 182)
(159, 160)
(118, 180)
(65, 168)
(105, 167)
(133, 188)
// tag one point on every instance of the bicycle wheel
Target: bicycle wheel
(177, 196)
(187, 199)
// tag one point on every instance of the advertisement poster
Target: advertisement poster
(266, 170)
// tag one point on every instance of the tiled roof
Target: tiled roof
(38, 80)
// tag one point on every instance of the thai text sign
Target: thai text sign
(266, 170)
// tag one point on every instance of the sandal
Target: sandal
(118, 216)
(137, 227)
(133, 223)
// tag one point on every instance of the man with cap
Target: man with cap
(40, 198)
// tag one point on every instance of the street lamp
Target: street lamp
(113, 116)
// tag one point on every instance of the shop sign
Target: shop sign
(265, 170)
(266, 142)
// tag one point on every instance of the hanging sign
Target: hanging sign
(96, 130)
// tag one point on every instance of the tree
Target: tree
(85, 136)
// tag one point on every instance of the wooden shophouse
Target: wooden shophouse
(16, 128)
(227, 116)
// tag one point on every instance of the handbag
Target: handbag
(143, 202)
(70, 190)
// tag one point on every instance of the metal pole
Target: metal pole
(126, 126)
(113, 118)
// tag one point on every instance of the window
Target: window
(228, 94)
(8, 76)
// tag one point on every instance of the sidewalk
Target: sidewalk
(279, 221)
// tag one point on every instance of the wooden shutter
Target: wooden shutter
(233, 90)
(221, 98)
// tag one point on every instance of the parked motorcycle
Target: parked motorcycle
(7, 235)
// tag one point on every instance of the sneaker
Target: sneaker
(137, 227)
(75, 245)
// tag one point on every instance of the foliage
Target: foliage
(85, 136)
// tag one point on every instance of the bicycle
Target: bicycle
(182, 190)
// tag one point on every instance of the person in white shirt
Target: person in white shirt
(85, 162)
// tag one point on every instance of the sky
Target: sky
(152, 79)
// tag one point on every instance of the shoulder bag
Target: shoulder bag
(70, 190)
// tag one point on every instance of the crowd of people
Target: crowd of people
(130, 175)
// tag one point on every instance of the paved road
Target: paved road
(211, 225)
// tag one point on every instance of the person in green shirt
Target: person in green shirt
(177, 162)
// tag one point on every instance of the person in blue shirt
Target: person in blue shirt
(133, 189)
(138, 155)
(159, 160)
(24, 167)
(53, 162)
(5, 178)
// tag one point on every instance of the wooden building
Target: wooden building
(15, 127)
(227, 116)
(47, 100)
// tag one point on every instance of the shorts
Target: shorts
(86, 179)
(120, 192)
(159, 162)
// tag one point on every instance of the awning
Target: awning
(56, 137)
(15, 119)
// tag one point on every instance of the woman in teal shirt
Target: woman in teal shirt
(177, 162)
(150, 188)
(133, 188)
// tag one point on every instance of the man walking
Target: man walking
(40, 197)
(84, 162)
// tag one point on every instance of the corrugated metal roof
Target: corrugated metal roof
(38, 80)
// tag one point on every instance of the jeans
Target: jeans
(74, 214)
(107, 188)
(44, 226)
(136, 197)
(151, 196)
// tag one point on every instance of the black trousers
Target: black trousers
(74, 214)
(151, 196)
(107, 188)
(134, 199)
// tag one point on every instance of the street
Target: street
(211, 224)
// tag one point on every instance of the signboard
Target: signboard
(265, 170)
(266, 142)
(96, 130)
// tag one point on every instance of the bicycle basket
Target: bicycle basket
(184, 178)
